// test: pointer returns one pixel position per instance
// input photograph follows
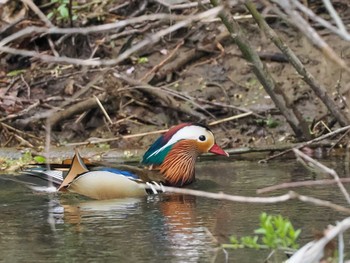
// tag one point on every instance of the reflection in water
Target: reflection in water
(184, 232)
(91, 211)
(173, 224)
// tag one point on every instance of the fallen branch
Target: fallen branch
(97, 62)
(301, 145)
(76, 108)
(166, 96)
(193, 54)
(21, 113)
(29, 31)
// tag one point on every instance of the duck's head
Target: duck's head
(175, 152)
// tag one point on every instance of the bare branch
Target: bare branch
(336, 17)
(289, 111)
(310, 32)
(301, 145)
(325, 169)
(89, 30)
(300, 184)
(248, 199)
(313, 251)
(321, 21)
(108, 62)
(320, 91)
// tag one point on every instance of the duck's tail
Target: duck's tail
(53, 176)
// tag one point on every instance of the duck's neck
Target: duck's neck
(178, 166)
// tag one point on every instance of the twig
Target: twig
(27, 85)
(18, 131)
(107, 62)
(301, 145)
(52, 46)
(70, 12)
(163, 94)
(181, 6)
(292, 115)
(311, 33)
(103, 110)
(40, 14)
(21, 113)
(116, 138)
(300, 184)
(89, 30)
(229, 106)
(242, 115)
(192, 4)
(247, 199)
(341, 247)
(325, 169)
(79, 107)
(313, 251)
(158, 66)
(338, 141)
(320, 91)
(339, 31)
(23, 141)
(335, 16)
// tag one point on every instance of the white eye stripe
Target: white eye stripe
(189, 132)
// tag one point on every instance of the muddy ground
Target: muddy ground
(215, 84)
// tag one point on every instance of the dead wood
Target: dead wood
(189, 56)
(164, 97)
(76, 108)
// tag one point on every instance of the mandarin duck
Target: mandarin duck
(169, 161)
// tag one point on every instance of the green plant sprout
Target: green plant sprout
(62, 11)
(269, 122)
(275, 232)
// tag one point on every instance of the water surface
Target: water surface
(41, 227)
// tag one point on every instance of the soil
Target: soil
(212, 84)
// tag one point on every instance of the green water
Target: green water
(41, 227)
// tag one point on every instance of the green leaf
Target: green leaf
(63, 11)
(142, 60)
(250, 242)
(39, 159)
(275, 232)
(15, 73)
(234, 240)
(272, 123)
(50, 15)
(261, 231)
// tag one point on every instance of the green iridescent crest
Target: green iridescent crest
(156, 158)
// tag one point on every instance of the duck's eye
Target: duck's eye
(202, 138)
